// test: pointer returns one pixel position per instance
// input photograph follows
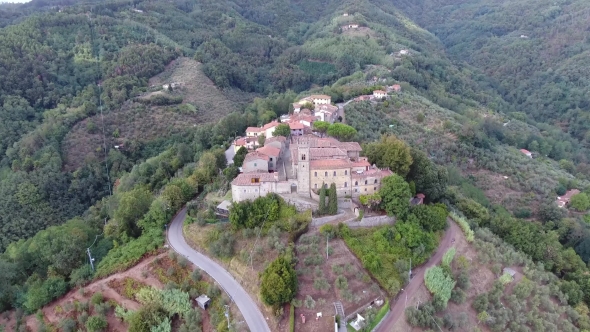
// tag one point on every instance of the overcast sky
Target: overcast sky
(20, 1)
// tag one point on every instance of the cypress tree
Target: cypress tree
(332, 200)
(322, 208)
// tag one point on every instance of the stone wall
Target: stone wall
(373, 221)
(324, 220)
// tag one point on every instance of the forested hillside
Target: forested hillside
(535, 51)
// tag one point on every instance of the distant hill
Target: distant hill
(536, 51)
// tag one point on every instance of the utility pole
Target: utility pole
(327, 252)
(90, 258)
(410, 272)
(226, 307)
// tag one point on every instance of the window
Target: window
(315, 174)
(254, 164)
(365, 189)
(365, 181)
(375, 180)
(345, 172)
(356, 183)
(244, 190)
(325, 173)
(270, 158)
(375, 188)
(356, 190)
(302, 157)
(334, 173)
(255, 180)
(315, 186)
(345, 184)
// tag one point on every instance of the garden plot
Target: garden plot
(323, 281)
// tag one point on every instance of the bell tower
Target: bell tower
(303, 170)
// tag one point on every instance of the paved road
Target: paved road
(253, 316)
(398, 309)
(229, 154)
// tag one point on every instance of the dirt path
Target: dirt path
(398, 308)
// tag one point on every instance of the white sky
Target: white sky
(14, 1)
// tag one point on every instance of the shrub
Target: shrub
(96, 298)
(96, 324)
(341, 282)
(448, 257)
(438, 283)
(67, 325)
(309, 302)
(464, 225)
(278, 282)
(196, 275)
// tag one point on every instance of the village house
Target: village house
(316, 100)
(363, 98)
(267, 130)
(527, 153)
(349, 26)
(326, 113)
(256, 162)
(278, 142)
(249, 186)
(296, 128)
(273, 156)
(296, 108)
(563, 201)
(395, 88)
(379, 94)
(249, 143)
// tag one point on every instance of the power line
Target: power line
(98, 77)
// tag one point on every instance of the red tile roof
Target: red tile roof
(323, 153)
(255, 155)
(270, 151)
(373, 172)
(253, 130)
(245, 179)
(379, 91)
(320, 97)
(329, 164)
(525, 151)
(396, 87)
(361, 163)
(281, 139)
(296, 125)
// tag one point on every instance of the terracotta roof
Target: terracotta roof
(525, 151)
(349, 146)
(270, 125)
(361, 163)
(245, 179)
(329, 164)
(379, 91)
(323, 153)
(254, 155)
(396, 87)
(269, 151)
(327, 108)
(361, 98)
(373, 172)
(320, 97)
(421, 195)
(275, 138)
(296, 125)
(240, 142)
(253, 130)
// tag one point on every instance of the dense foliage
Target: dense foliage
(278, 282)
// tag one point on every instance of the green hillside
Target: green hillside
(536, 52)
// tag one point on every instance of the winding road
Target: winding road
(398, 309)
(247, 306)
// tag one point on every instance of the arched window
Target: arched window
(356, 183)
(325, 173)
(375, 180)
(315, 174)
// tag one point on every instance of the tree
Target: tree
(448, 257)
(96, 324)
(429, 178)
(432, 218)
(438, 283)
(240, 156)
(131, 208)
(261, 140)
(341, 131)
(370, 201)
(322, 203)
(390, 152)
(332, 200)
(395, 196)
(321, 127)
(282, 130)
(278, 282)
(580, 202)
(483, 316)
